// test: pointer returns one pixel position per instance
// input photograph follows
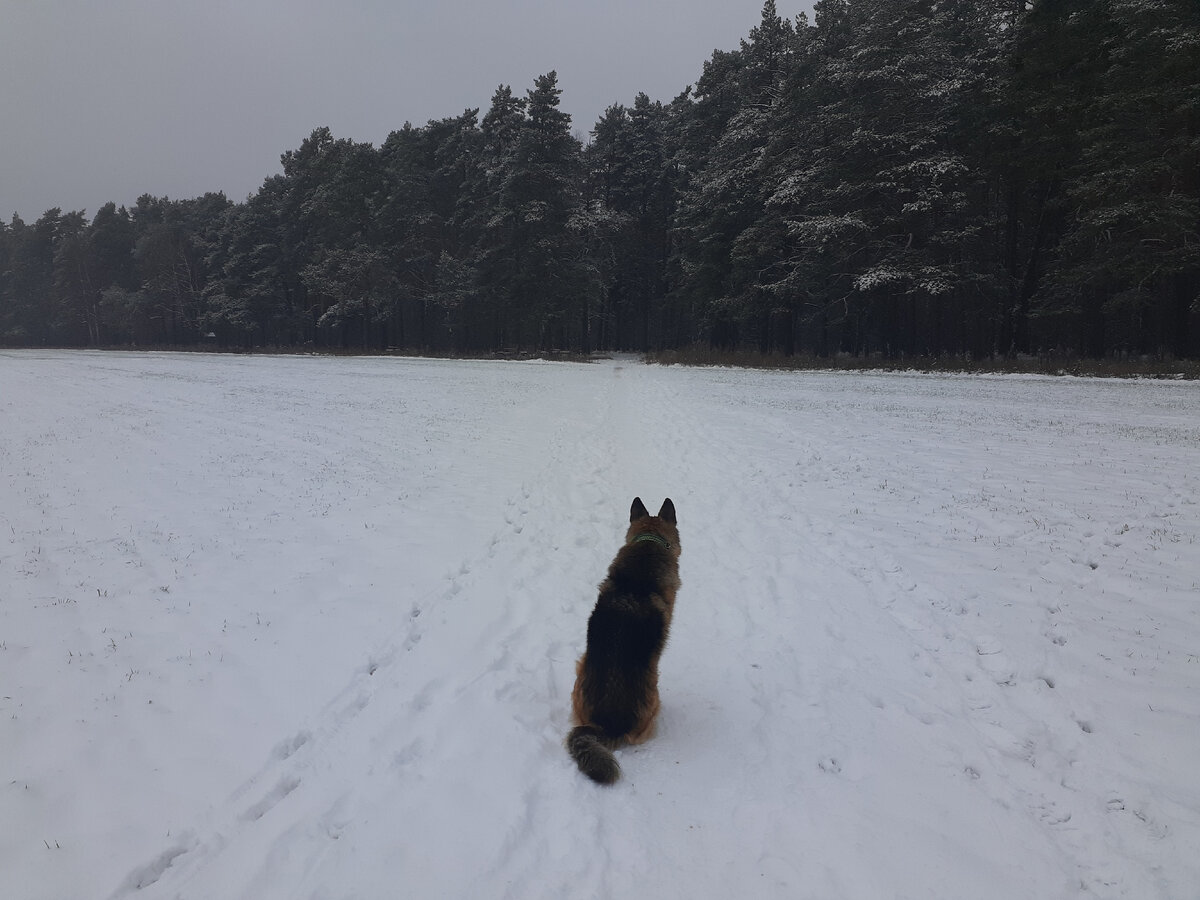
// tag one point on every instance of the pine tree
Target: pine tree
(1121, 124)
(883, 193)
(333, 189)
(492, 221)
(253, 294)
(631, 197)
(725, 234)
(31, 315)
(77, 292)
(8, 311)
(424, 222)
(526, 256)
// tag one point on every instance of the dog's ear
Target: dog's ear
(668, 511)
(638, 510)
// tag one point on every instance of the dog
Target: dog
(615, 699)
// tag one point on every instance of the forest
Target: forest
(978, 179)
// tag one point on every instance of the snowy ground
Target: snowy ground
(306, 627)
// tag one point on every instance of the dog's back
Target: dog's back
(615, 699)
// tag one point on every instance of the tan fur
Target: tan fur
(615, 700)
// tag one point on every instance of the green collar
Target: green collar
(650, 536)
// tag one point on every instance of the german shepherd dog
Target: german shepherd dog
(615, 699)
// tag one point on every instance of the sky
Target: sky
(105, 101)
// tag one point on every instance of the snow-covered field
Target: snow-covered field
(306, 627)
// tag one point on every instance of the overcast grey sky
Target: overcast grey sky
(109, 99)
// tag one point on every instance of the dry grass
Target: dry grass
(1041, 365)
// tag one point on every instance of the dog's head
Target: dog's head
(662, 527)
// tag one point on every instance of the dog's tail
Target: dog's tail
(589, 748)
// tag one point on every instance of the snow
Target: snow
(306, 627)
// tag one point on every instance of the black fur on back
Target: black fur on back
(625, 633)
(638, 577)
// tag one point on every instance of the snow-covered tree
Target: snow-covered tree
(882, 182)
(1108, 102)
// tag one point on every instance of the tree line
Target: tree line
(978, 178)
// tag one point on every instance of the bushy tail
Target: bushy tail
(588, 747)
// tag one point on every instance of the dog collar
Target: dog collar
(650, 536)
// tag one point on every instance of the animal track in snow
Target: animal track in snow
(335, 821)
(356, 705)
(144, 876)
(285, 749)
(408, 754)
(829, 764)
(286, 785)
(1051, 815)
(992, 659)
